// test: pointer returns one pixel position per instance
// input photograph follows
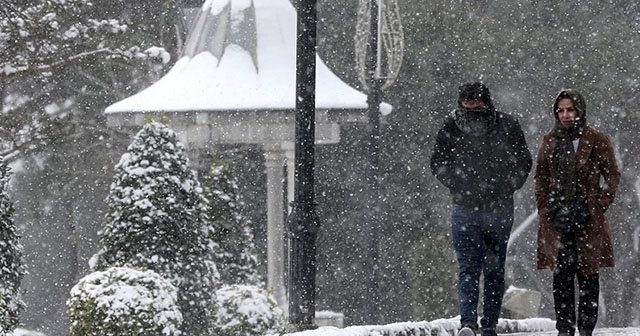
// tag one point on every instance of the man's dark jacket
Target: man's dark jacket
(482, 171)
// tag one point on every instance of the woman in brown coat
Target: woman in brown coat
(574, 238)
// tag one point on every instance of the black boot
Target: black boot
(569, 332)
(588, 303)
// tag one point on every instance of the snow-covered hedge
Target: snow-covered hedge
(247, 310)
(124, 301)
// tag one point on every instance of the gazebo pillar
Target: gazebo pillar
(290, 154)
(274, 159)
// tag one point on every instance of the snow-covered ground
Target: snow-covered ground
(597, 332)
(442, 327)
(448, 327)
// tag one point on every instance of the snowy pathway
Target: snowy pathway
(597, 332)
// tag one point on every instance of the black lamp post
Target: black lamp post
(379, 49)
(303, 220)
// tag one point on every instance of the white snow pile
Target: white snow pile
(441, 327)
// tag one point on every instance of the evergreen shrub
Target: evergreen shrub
(433, 276)
(247, 310)
(235, 256)
(157, 220)
(124, 301)
(11, 269)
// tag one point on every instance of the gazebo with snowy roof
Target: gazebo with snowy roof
(235, 84)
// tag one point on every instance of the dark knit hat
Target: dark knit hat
(474, 91)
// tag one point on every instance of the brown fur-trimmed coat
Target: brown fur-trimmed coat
(594, 158)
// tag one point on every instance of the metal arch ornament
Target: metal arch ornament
(390, 41)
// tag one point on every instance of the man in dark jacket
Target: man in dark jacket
(482, 157)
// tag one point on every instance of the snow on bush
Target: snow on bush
(158, 220)
(247, 310)
(4, 314)
(11, 270)
(235, 256)
(124, 301)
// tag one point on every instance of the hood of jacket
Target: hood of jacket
(578, 103)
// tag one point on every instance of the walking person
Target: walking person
(574, 238)
(481, 156)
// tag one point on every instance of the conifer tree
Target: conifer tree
(158, 221)
(62, 62)
(65, 57)
(11, 270)
(235, 258)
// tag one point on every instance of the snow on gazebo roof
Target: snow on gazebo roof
(241, 55)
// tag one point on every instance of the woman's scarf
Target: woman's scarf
(564, 162)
